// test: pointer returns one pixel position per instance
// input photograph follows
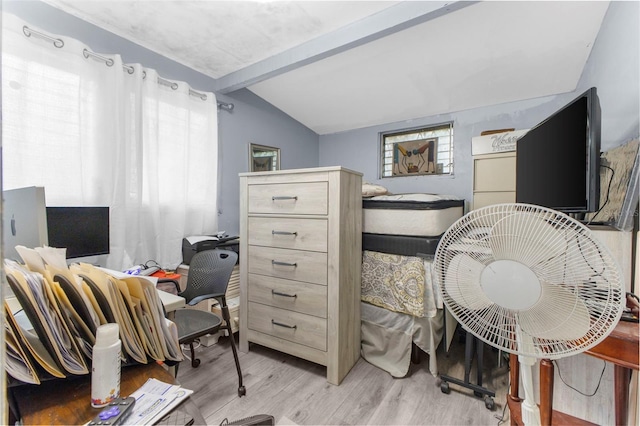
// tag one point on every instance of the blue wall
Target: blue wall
(255, 121)
(612, 68)
(251, 121)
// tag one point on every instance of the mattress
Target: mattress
(400, 244)
(427, 215)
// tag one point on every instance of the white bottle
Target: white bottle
(105, 368)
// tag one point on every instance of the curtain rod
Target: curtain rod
(109, 62)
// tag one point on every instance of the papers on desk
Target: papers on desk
(42, 310)
(154, 400)
(51, 324)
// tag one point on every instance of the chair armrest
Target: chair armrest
(175, 283)
(199, 299)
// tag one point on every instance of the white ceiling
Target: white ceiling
(342, 65)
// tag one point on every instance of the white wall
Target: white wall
(612, 68)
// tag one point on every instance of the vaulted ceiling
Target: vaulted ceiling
(342, 65)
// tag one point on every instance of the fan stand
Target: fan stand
(478, 390)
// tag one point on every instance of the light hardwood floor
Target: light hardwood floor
(295, 391)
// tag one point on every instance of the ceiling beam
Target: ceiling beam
(386, 22)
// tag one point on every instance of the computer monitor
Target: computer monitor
(83, 231)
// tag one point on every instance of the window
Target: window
(421, 151)
(97, 132)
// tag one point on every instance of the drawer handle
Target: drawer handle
(283, 233)
(285, 197)
(277, 293)
(283, 325)
(275, 262)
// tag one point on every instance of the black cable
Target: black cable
(146, 264)
(608, 192)
(580, 392)
(501, 419)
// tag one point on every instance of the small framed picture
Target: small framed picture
(263, 158)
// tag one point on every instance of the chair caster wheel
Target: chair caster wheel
(489, 403)
(444, 387)
(242, 391)
(195, 363)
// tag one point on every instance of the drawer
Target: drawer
(289, 198)
(298, 234)
(286, 294)
(288, 325)
(306, 266)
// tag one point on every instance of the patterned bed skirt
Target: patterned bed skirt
(399, 283)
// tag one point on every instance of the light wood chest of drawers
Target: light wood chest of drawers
(300, 264)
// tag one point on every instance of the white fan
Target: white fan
(530, 281)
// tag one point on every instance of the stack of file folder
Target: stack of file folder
(51, 324)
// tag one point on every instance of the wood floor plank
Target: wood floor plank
(359, 407)
(322, 400)
(295, 391)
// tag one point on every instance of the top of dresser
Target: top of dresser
(309, 170)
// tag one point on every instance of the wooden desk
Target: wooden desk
(68, 401)
(621, 347)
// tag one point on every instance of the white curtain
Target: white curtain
(94, 134)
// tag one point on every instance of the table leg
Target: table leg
(546, 391)
(621, 376)
(514, 387)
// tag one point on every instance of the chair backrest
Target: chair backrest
(209, 273)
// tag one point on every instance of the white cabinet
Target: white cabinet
(300, 264)
(494, 179)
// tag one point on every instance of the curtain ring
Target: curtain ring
(202, 96)
(174, 86)
(108, 61)
(56, 41)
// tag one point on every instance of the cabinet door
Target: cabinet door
(494, 173)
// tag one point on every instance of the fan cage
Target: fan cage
(582, 292)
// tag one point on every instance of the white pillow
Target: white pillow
(370, 190)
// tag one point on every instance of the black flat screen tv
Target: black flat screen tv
(558, 160)
(83, 231)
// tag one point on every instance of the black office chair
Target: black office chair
(209, 273)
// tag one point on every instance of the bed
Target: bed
(401, 308)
